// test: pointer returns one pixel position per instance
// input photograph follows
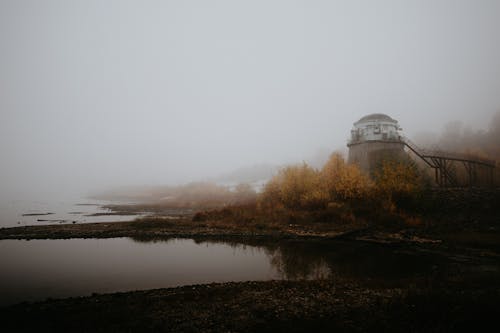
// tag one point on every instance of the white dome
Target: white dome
(374, 117)
(375, 127)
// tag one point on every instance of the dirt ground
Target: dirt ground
(284, 306)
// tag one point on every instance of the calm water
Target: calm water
(37, 212)
(37, 269)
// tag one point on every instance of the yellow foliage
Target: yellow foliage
(270, 197)
(299, 186)
(294, 187)
(398, 183)
(398, 177)
(302, 187)
(343, 187)
(314, 198)
(344, 181)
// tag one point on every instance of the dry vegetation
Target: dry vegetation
(196, 195)
(339, 193)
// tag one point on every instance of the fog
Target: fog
(96, 94)
(459, 137)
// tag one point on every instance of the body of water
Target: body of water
(39, 269)
(37, 212)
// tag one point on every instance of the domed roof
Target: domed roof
(376, 117)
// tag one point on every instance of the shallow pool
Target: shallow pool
(39, 269)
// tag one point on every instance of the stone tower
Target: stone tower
(373, 138)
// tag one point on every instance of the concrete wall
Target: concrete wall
(369, 154)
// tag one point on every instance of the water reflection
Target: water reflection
(295, 267)
(37, 269)
(295, 259)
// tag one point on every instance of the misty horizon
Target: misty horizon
(98, 94)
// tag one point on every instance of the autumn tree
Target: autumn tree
(342, 181)
(398, 182)
(295, 187)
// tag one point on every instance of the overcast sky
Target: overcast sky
(100, 93)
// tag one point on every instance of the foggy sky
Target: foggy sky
(95, 93)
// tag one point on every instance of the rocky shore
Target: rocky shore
(273, 306)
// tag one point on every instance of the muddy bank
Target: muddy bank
(264, 306)
(455, 234)
(163, 228)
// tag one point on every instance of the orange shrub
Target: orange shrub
(295, 187)
(398, 182)
(344, 182)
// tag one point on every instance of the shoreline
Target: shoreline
(160, 228)
(254, 306)
(455, 233)
(462, 302)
